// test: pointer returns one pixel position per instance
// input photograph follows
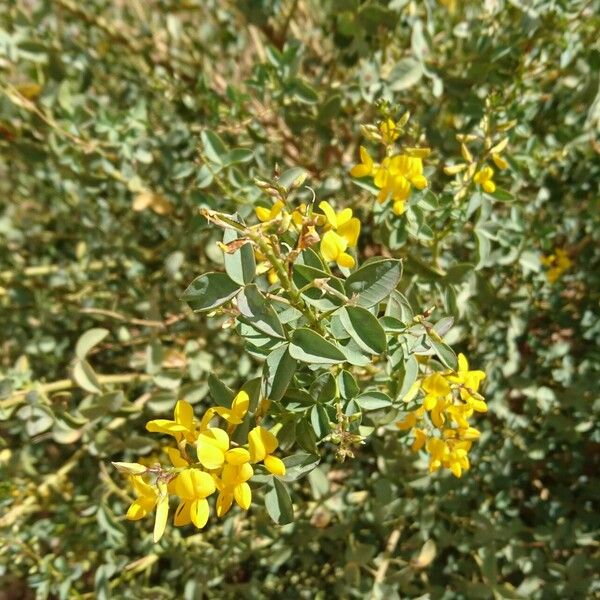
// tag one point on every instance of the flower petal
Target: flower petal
(274, 465)
(243, 495)
(184, 414)
(182, 514)
(139, 509)
(350, 230)
(260, 443)
(199, 512)
(209, 456)
(346, 260)
(162, 512)
(224, 502)
(237, 456)
(329, 213)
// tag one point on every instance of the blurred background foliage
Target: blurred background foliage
(102, 171)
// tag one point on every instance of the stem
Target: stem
(67, 384)
(392, 542)
(288, 285)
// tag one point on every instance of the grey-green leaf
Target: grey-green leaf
(364, 328)
(85, 378)
(214, 147)
(91, 338)
(279, 504)
(445, 354)
(210, 291)
(310, 347)
(373, 400)
(374, 281)
(277, 374)
(239, 265)
(259, 313)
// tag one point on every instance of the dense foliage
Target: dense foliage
(144, 145)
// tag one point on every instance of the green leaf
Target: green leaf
(324, 388)
(220, 393)
(204, 177)
(409, 372)
(310, 258)
(214, 147)
(406, 73)
(399, 307)
(91, 338)
(305, 436)
(330, 108)
(303, 275)
(347, 384)
(373, 400)
(364, 328)
(445, 354)
(502, 195)
(237, 155)
(85, 378)
(279, 504)
(210, 291)
(483, 248)
(289, 176)
(277, 373)
(310, 347)
(374, 281)
(299, 465)
(304, 92)
(319, 419)
(259, 313)
(354, 353)
(239, 265)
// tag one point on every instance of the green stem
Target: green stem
(287, 284)
(67, 384)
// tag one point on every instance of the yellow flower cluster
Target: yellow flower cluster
(220, 465)
(483, 175)
(441, 422)
(397, 173)
(278, 211)
(342, 231)
(557, 264)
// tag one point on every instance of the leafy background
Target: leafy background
(103, 167)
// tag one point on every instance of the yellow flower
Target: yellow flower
(193, 486)
(265, 214)
(420, 439)
(394, 178)
(343, 232)
(365, 167)
(182, 427)
(298, 214)
(211, 447)
(408, 422)
(499, 161)
(261, 445)
(484, 178)
(234, 415)
(233, 485)
(558, 263)
(239, 407)
(389, 132)
(147, 499)
(469, 382)
(437, 449)
(456, 458)
(436, 387)
(450, 399)
(333, 249)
